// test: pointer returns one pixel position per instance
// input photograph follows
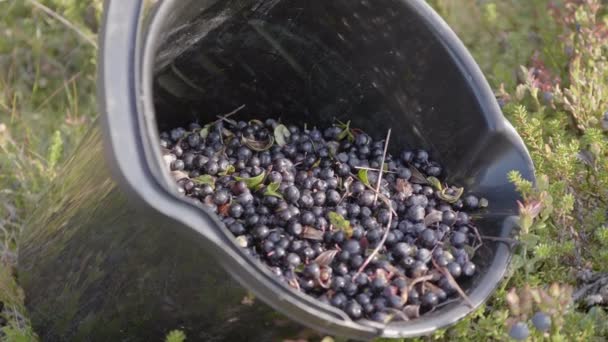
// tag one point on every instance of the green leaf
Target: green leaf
(258, 145)
(363, 176)
(252, 182)
(339, 222)
(435, 182)
(256, 121)
(230, 170)
(205, 131)
(529, 239)
(451, 198)
(346, 133)
(175, 336)
(272, 190)
(56, 149)
(205, 179)
(281, 132)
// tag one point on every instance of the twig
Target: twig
(225, 116)
(419, 280)
(373, 169)
(64, 21)
(388, 137)
(379, 247)
(585, 289)
(453, 282)
(385, 199)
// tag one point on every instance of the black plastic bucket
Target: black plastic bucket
(114, 253)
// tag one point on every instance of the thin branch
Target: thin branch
(64, 21)
(374, 169)
(388, 137)
(227, 115)
(453, 282)
(380, 245)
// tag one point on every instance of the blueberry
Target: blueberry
(307, 218)
(422, 156)
(428, 238)
(338, 300)
(352, 246)
(455, 269)
(471, 202)
(448, 217)
(378, 284)
(416, 213)
(366, 198)
(312, 270)
(519, 331)
(236, 210)
(468, 269)
(295, 228)
(293, 259)
(260, 232)
(541, 321)
(177, 165)
(353, 309)
(402, 250)
(395, 301)
(332, 197)
(306, 201)
(221, 197)
(458, 239)
(319, 198)
(429, 300)
(292, 194)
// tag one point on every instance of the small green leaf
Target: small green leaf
(339, 222)
(281, 133)
(317, 163)
(272, 190)
(435, 182)
(252, 182)
(483, 203)
(205, 131)
(230, 170)
(451, 198)
(205, 179)
(363, 176)
(258, 145)
(300, 268)
(346, 133)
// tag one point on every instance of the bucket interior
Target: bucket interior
(376, 63)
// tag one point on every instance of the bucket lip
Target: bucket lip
(128, 126)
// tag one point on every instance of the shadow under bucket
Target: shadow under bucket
(114, 253)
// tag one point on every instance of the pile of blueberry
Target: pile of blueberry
(313, 207)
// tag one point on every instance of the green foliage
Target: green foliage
(175, 336)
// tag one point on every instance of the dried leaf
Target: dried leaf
(513, 302)
(412, 311)
(327, 257)
(433, 217)
(177, 175)
(272, 190)
(340, 223)
(258, 145)
(450, 198)
(404, 187)
(417, 176)
(256, 121)
(241, 241)
(205, 179)
(253, 181)
(363, 176)
(281, 132)
(311, 233)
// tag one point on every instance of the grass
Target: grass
(545, 59)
